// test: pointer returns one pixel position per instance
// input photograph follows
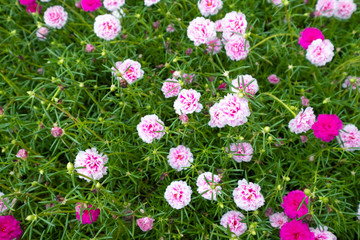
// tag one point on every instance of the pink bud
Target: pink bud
(189, 51)
(273, 79)
(170, 28)
(42, 33)
(223, 86)
(269, 212)
(57, 132)
(145, 223)
(184, 118)
(306, 1)
(89, 48)
(303, 138)
(78, 4)
(40, 71)
(304, 101)
(23, 154)
(156, 24)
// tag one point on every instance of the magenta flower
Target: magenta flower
(90, 5)
(86, 214)
(296, 230)
(234, 221)
(180, 158)
(55, 17)
(241, 152)
(145, 224)
(208, 187)
(209, 7)
(57, 132)
(33, 8)
(9, 228)
(273, 79)
(247, 196)
(150, 128)
(277, 220)
(327, 127)
(291, 204)
(107, 27)
(349, 138)
(308, 35)
(303, 121)
(27, 2)
(178, 194)
(22, 153)
(201, 31)
(91, 164)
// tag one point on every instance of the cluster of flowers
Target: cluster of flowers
(32, 6)
(341, 9)
(352, 81)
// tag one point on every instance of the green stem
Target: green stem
(286, 106)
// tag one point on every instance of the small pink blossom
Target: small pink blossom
(237, 48)
(57, 132)
(214, 46)
(86, 213)
(188, 78)
(277, 220)
(90, 5)
(291, 204)
(170, 28)
(189, 51)
(349, 138)
(171, 88)
(33, 8)
(149, 3)
(326, 8)
(145, 224)
(327, 127)
(178, 194)
(89, 48)
(188, 102)
(308, 35)
(247, 196)
(55, 17)
(112, 5)
(241, 81)
(352, 81)
(22, 153)
(184, 118)
(276, 2)
(150, 128)
(345, 8)
(180, 158)
(129, 70)
(209, 7)
(303, 121)
(320, 52)
(78, 4)
(323, 233)
(234, 109)
(273, 79)
(241, 152)
(3, 206)
(156, 24)
(91, 164)
(296, 230)
(233, 23)
(303, 138)
(208, 187)
(217, 118)
(107, 26)
(304, 101)
(42, 33)
(201, 31)
(234, 220)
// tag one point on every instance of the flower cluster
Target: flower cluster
(341, 9)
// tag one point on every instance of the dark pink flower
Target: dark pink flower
(308, 36)
(273, 79)
(33, 8)
(296, 230)
(87, 212)
(57, 132)
(327, 127)
(291, 204)
(188, 51)
(90, 5)
(23, 154)
(156, 24)
(27, 2)
(89, 48)
(10, 228)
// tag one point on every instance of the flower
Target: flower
(247, 81)
(303, 121)
(86, 214)
(207, 185)
(27, 2)
(57, 132)
(209, 7)
(42, 33)
(180, 158)
(345, 8)
(3, 206)
(188, 102)
(323, 234)
(118, 13)
(358, 213)
(183, 118)
(218, 25)
(277, 220)
(241, 152)
(171, 88)
(276, 2)
(129, 70)
(291, 203)
(349, 138)
(145, 224)
(233, 23)
(235, 110)
(352, 80)
(22, 153)
(90, 5)
(170, 28)
(149, 3)
(55, 17)
(327, 127)
(10, 228)
(320, 52)
(107, 26)
(178, 194)
(247, 196)
(91, 164)
(33, 8)
(326, 8)
(214, 46)
(233, 221)
(296, 230)
(308, 35)
(303, 138)
(304, 101)
(201, 30)
(273, 79)
(150, 128)
(216, 117)
(112, 5)
(89, 48)
(237, 48)
(188, 78)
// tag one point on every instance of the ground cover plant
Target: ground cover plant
(162, 119)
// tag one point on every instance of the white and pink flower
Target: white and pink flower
(22, 153)
(188, 102)
(234, 23)
(42, 33)
(201, 31)
(303, 121)
(276, 2)
(3, 206)
(57, 132)
(112, 5)
(237, 47)
(55, 17)
(217, 117)
(129, 70)
(91, 164)
(273, 79)
(234, 221)
(107, 26)
(209, 7)
(241, 81)
(241, 152)
(234, 109)
(180, 158)
(349, 138)
(326, 8)
(214, 46)
(320, 52)
(145, 224)
(149, 3)
(277, 220)
(208, 187)
(323, 233)
(178, 194)
(247, 196)
(345, 8)
(150, 128)
(171, 88)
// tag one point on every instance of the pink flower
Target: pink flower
(233, 220)
(57, 132)
(323, 234)
(327, 127)
(320, 52)
(189, 51)
(170, 28)
(345, 8)
(180, 158)
(107, 26)
(89, 48)
(42, 33)
(304, 101)
(276, 2)
(178, 194)
(171, 88)
(303, 138)
(201, 31)
(27, 2)
(296, 230)
(55, 17)
(247, 196)
(326, 8)
(78, 4)
(214, 46)
(277, 220)
(188, 78)
(218, 25)
(187, 102)
(10, 228)
(3, 207)
(86, 214)
(233, 23)
(241, 81)
(149, 3)
(217, 117)
(291, 204)
(234, 109)
(308, 35)
(352, 81)
(90, 5)
(184, 118)
(349, 138)
(241, 152)
(22, 153)
(273, 79)
(150, 128)
(129, 70)
(33, 8)
(112, 5)
(91, 164)
(156, 24)
(237, 48)
(208, 187)
(209, 7)
(145, 224)
(303, 121)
